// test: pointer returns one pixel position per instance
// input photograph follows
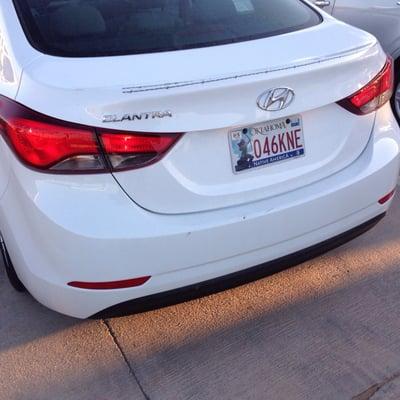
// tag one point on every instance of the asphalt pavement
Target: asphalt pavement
(326, 329)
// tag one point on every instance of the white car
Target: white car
(379, 17)
(154, 150)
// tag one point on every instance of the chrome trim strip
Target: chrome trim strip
(311, 61)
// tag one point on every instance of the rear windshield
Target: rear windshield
(89, 28)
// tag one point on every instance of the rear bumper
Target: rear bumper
(64, 228)
(235, 279)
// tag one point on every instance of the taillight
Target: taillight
(374, 95)
(134, 150)
(48, 144)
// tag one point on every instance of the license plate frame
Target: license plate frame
(266, 144)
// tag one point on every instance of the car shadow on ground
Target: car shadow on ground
(23, 319)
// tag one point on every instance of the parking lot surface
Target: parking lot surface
(327, 329)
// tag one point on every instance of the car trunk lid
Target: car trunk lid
(208, 93)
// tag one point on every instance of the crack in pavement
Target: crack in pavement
(372, 390)
(125, 358)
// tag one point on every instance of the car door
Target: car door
(379, 17)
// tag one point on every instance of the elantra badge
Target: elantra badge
(276, 99)
(136, 117)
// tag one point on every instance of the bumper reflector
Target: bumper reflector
(128, 283)
(386, 198)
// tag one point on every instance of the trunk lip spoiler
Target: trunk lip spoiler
(239, 75)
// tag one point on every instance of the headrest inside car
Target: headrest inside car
(149, 4)
(39, 4)
(75, 20)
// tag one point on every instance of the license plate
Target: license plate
(267, 143)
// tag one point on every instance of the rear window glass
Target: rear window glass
(88, 28)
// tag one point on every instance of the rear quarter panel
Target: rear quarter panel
(10, 71)
(14, 55)
(15, 52)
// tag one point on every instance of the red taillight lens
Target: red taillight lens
(52, 145)
(49, 144)
(374, 95)
(134, 150)
(44, 145)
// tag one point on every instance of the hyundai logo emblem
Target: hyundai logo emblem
(275, 99)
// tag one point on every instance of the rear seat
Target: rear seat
(115, 13)
(151, 15)
(204, 10)
(76, 20)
